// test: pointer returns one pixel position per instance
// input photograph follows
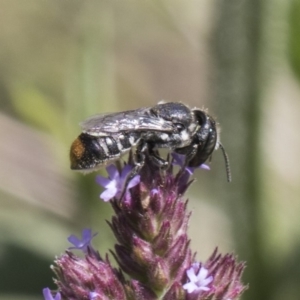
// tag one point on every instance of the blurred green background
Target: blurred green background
(62, 61)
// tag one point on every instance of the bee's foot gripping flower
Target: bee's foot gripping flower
(153, 249)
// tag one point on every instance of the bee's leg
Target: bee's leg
(189, 152)
(139, 160)
(189, 155)
(156, 159)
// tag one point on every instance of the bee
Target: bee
(105, 138)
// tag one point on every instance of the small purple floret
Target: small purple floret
(114, 185)
(93, 295)
(198, 282)
(48, 295)
(179, 160)
(154, 192)
(84, 242)
(204, 167)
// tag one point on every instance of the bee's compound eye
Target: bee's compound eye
(179, 126)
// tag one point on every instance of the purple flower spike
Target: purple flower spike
(84, 242)
(48, 295)
(114, 185)
(198, 282)
(153, 254)
(179, 160)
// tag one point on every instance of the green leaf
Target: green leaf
(38, 109)
(294, 37)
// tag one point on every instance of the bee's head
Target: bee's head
(208, 138)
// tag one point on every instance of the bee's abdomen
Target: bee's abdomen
(86, 152)
(89, 152)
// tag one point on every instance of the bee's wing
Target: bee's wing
(132, 120)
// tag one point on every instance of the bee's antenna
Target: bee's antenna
(227, 165)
